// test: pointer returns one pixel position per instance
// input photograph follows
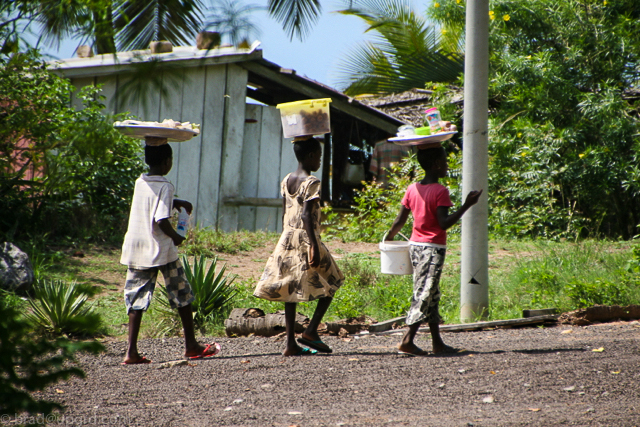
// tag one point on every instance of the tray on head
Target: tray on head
(421, 139)
(172, 134)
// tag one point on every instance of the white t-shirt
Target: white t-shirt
(145, 245)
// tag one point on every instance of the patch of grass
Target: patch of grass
(206, 241)
(523, 274)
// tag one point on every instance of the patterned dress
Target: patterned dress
(287, 276)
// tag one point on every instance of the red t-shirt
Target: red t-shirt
(423, 200)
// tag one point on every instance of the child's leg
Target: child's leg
(407, 345)
(191, 346)
(180, 297)
(135, 319)
(292, 348)
(438, 345)
(311, 333)
(138, 290)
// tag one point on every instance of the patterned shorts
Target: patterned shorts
(138, 289)
(427, 267)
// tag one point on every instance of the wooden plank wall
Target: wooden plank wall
(234, 102)
(232, 157)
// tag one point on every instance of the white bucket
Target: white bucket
(394, 257)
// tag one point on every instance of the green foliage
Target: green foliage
(406, 54)
(66, 173)
(61, 308)
(585, 294)
(214, 293)
(30, 362)
(564, 124)
(566, 276)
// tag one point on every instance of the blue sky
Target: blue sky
(317, 57)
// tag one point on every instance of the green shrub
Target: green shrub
(88, 169)
(214, 293)
(61, 308)
(586, 294)
(30, 362)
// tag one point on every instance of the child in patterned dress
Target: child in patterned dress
(301, 268)
(429, 203)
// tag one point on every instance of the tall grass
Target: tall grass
(522, 274)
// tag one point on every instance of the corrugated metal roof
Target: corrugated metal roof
(121, 61)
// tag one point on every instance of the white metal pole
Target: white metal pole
(474, 274)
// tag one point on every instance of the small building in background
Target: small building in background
(232, 171)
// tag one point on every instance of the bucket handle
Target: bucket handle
(385, 235)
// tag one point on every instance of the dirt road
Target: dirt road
(583, 376)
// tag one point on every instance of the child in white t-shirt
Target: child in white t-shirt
(150, 245)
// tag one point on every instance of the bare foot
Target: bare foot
(310, 337)
(298, 351)
(202, 351)
(135, 360)
(411, 349)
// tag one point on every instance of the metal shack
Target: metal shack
(232, 171)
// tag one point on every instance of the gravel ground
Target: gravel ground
(563, 375)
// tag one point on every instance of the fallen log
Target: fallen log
(600, 313)
(247, 321)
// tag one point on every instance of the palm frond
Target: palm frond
(60, 19)
(140, 23)
(232, 21)
(296, 16)
(406, 52)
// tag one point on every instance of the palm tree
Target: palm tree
(138, 23)
(125, 24)
(112, 25)
(406, 53)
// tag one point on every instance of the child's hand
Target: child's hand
(472, 198)
(178, 239)
(177, 204)
(314, 256)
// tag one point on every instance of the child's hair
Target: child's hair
(154, 155)
(428, 157)
(305, 147)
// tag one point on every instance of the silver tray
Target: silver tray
(422, 139)
(172, 135)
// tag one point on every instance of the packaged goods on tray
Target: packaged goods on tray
(168, 129)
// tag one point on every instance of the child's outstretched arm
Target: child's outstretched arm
(445, 220)
(307, 222)
(167, 229)
(398, 223)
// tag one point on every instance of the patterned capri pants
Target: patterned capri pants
(427, 267)
(138, 289)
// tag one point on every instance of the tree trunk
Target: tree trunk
(103, 30)
(247, 321)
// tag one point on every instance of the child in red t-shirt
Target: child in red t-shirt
(429, 203)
